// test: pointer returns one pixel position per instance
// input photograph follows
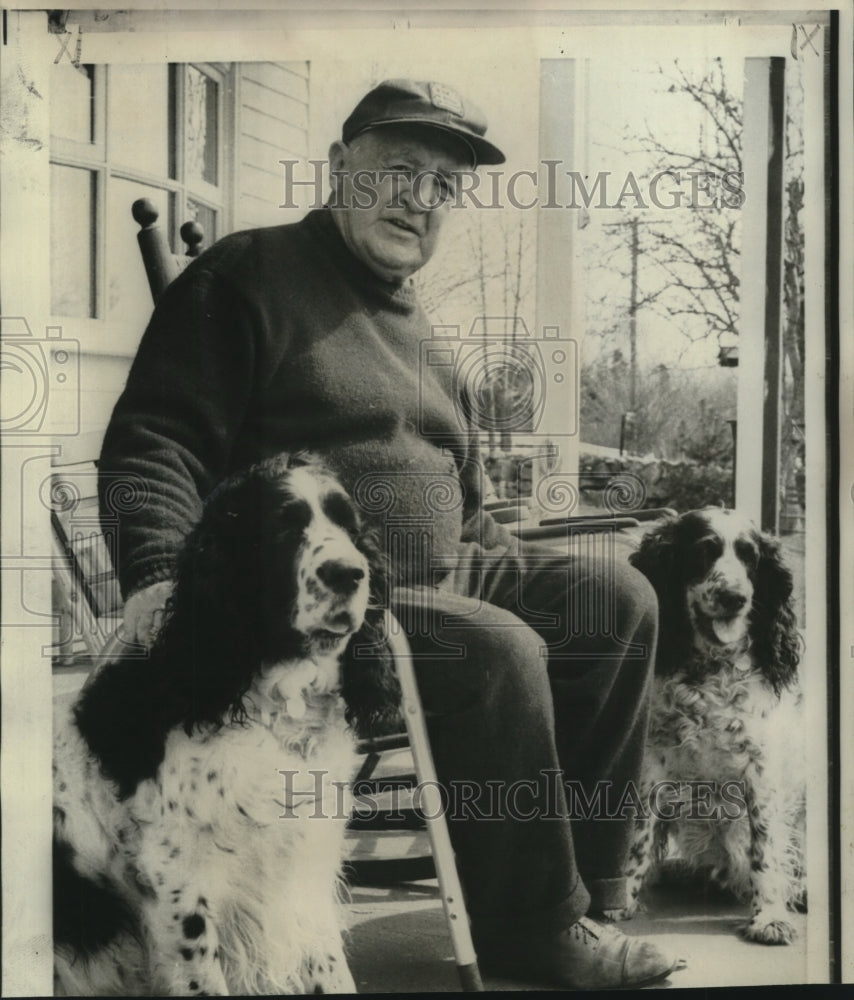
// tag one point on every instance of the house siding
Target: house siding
(272, 124)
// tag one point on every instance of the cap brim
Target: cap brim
(483, 152)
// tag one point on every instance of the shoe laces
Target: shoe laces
(585, 930)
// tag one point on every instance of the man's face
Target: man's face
(393, 194)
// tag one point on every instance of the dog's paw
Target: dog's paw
(799, 903)
(624, 912)
(328, 974)
(768, 928)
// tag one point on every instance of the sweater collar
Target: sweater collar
(399, 294)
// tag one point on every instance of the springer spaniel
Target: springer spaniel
(723, 774)
(200, 797)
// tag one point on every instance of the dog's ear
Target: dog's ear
(658, 558)
(369, 683)
(219, 568)
(213, 621)
(773, 625)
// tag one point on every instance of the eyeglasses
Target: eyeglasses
(427, 189)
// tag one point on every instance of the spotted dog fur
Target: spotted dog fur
(724, 764)
(200, 797)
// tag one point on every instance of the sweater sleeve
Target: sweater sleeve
(478, 525)
(172, 429)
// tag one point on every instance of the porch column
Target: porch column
(757, 490)
(28, 51)
(559, 309)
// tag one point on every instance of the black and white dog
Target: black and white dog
(200, 795)
(726, 713)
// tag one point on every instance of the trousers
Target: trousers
(534, 667)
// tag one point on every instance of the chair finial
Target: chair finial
(144, 212)
(192, 234)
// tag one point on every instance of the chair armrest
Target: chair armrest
(379, 744)
(496, 504)
(654, 513)
(509, 514)
(572, 525)
(650, 514)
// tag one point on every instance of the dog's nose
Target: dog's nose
(340, 576)
(732, 602)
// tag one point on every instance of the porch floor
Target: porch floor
(399, 942)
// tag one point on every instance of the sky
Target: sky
(629, 100)
(625, 93)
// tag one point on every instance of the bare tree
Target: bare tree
(696, 253)
(677, 414)
(792, 444)
(485, 276)
(691, 259)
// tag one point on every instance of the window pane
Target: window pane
(72, 100)
(138, 117)
(72, 241)
(206, 218)
(201, 125)
(128, 294)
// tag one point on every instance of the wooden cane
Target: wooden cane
(433, 810)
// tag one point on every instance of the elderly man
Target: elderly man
(308, 336)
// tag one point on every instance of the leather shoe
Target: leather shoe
(584, 956)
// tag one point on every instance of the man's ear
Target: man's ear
(339, 163)
(339, 156)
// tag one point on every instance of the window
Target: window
(118, 133)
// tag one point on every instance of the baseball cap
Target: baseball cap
(416, 102)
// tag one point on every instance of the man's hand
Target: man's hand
(143, 614)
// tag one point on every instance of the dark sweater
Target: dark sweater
(278, 340)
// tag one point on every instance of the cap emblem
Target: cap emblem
(446, 99)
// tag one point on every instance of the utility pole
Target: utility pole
(633, 225)
(627, 422)
(633, 317)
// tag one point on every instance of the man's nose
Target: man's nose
(424, 193)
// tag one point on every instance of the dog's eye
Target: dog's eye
(339, 510)
(705, 553)
(295, 515)
(747, 553)
(710, 548)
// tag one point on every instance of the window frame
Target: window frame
(100, 333)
